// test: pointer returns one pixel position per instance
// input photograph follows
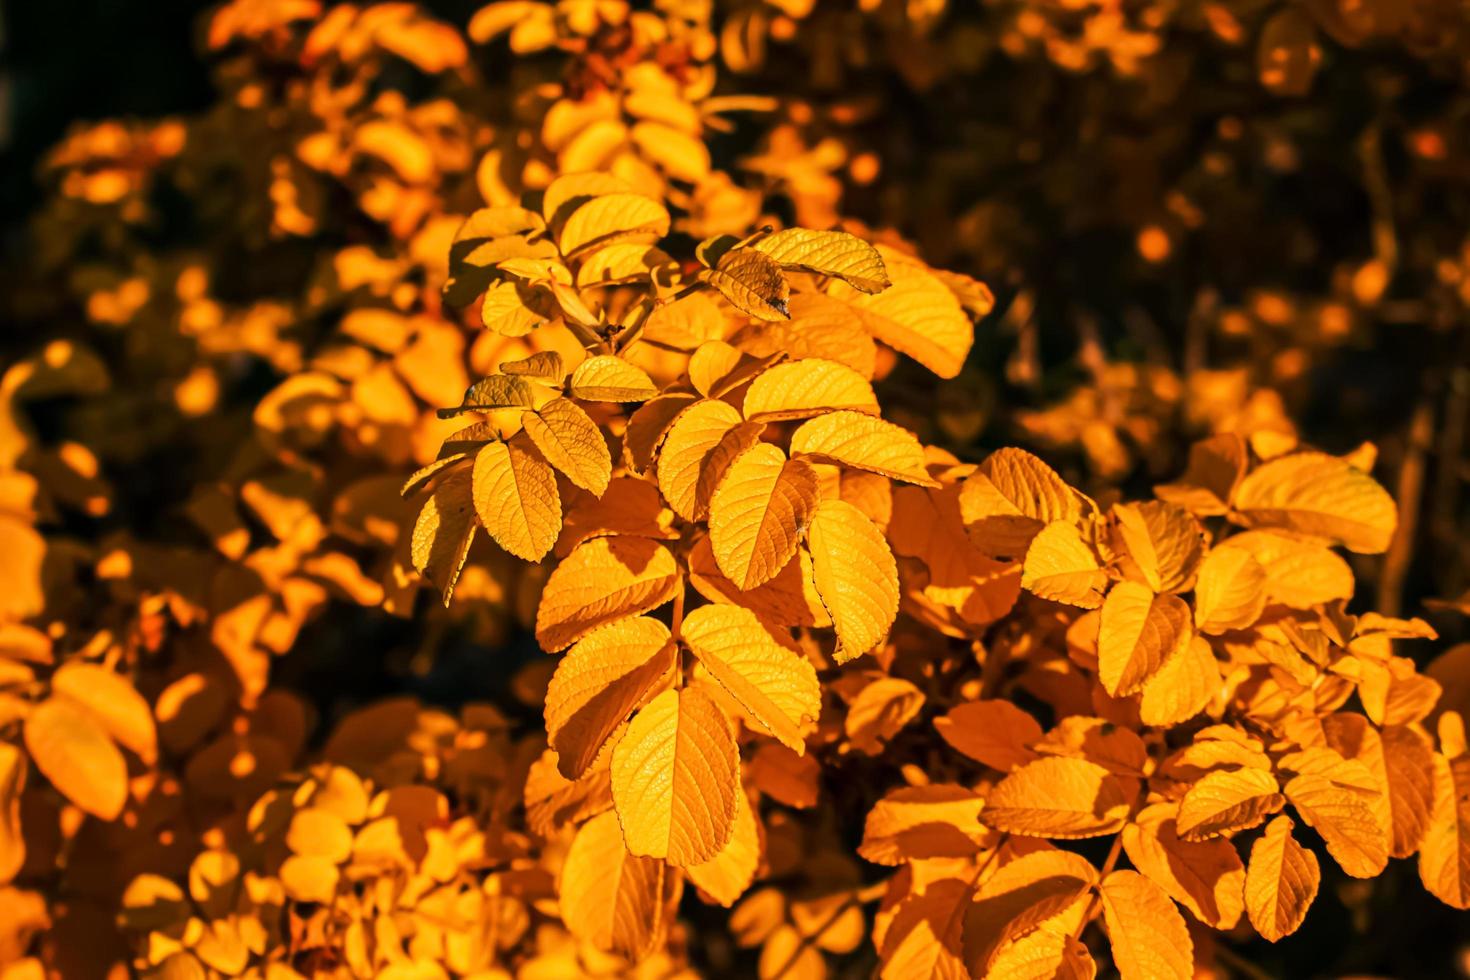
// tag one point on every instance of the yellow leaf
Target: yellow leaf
(444, 531)
(917, 315)
(1205, 877)
(1444, 857)
(496, 391)
(680, 155)
(820, 326)
(1009, 498)
(570, 191)
(514, 309)
(1299, 574)
(1182, 687)
(612, 218)
(879, 711)
(1057, 797)
(694, 435)
(827, 253)
(676, 774)
(602, 581)
(309, 878)
(865, 443)
(1034, 891)
(1161, 544)
(1318, 496)
(732, 445)
(603, 678)
(925, 937)
(545, 366)
(606, 378)
(752, 282)
(1230, 593)
(775, 684)
(609, 898)
(1149, 937)
(1356, 837)
(552, 801)
(1138, 633)
(12, 785)
(516, 500)
(919, 822)
(789, 599)
(714, 365)
(799, 389)
(1059, 566)
(996, 733)
(1281, 882)
(727, 875)
(317, 832)
(621, 262)
(1226, 801)
(123, 713)
(1216, 466)
(72, 749)
(762, 504)
(571, 442)
(649, 425)
(855, 575)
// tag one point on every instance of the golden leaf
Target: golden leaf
(1182, 687)
(762, 504)
(799, 389)
(1061, 567)
(1299, 574)
(1444, 857)
(1009, 498)
(1356, 837)
(545, 366)
(727, 875)
(1139, 632)
(516, 500)
(996, 733)
(855, 575)
(916, 315)
(1318, 496)
(752, 282)
(1205, 877)
(606, 378)
(676, 776)
(865, 443)
(691, 439)
(1230, 593)
(1161, 544)
(1149, 937)
(788, 599)
(72, 749)
(612, 218)
(915, 823)
(1227, 801)
(774, 683)
(602, 581)
(1032, 892)
(610, 898)
(603, 678)
(571, 442)
(1281, 881)
(444, 531)
(1057, 797)
(123, 713)
(12, 785)
(827, 253)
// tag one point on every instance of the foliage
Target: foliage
(423, 341)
